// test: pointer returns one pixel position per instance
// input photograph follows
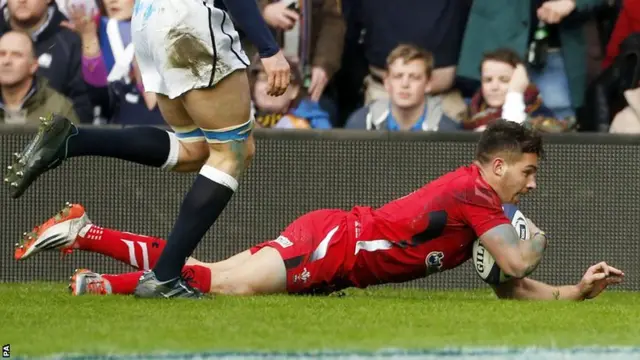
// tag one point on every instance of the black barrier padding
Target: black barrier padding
(586, 201)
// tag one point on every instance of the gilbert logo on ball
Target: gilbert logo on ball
(484, 263)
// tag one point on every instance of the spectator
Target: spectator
(409, 107)
(62, 4)
(293, 109)
(346, 85)
(107, 63)
(507, 93)
(321, 45)
(511, 24)
(126, 102)
(628, 22)
(26, 96)
(627, 121)
(58, 49)
(107, 50)
(606, 94)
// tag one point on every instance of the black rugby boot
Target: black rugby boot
(46, 151)
(149, 287)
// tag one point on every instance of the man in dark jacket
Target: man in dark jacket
(58, 49)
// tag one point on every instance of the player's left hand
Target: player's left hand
(552, 12)
(278, 73)
(597, 278)
(319, 80)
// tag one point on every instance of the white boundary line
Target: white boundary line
(591, 353)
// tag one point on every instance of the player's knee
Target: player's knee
(233, 157)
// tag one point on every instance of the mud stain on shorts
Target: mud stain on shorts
(188, 52)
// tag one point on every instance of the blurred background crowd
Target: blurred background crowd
(395, 65)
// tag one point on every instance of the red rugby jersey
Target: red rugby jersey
(430, 230)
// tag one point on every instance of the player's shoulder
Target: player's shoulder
(465, 185)
(461, 177)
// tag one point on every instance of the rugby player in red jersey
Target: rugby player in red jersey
(429, 230)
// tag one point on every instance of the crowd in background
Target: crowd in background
(411, 65)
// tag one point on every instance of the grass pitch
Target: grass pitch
(42, 319)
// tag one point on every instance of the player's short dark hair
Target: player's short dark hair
(504, 136)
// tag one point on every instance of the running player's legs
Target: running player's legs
(227, 105)
(150, 31)
(190, 54)
(196, 54)
(223, 112)
(193, 56)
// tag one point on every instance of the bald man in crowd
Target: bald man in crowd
(26, 96)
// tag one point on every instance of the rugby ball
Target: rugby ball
(484, 263)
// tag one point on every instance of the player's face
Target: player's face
(407, 83)
(119, 9)
(495, 82)
(518, 178)
(16, 60)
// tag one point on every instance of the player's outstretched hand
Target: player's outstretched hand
(597, 278)
(278, 73)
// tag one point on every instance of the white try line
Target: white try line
(577, 353)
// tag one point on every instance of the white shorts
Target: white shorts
(184, 44)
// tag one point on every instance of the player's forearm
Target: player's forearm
(532, 251)
(247, 15)
(529, 289)
(515, 257)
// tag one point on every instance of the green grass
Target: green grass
(41, 319)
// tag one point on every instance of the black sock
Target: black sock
(143, 145)
(199, 210)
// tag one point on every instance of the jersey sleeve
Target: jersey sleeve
(481, 209)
